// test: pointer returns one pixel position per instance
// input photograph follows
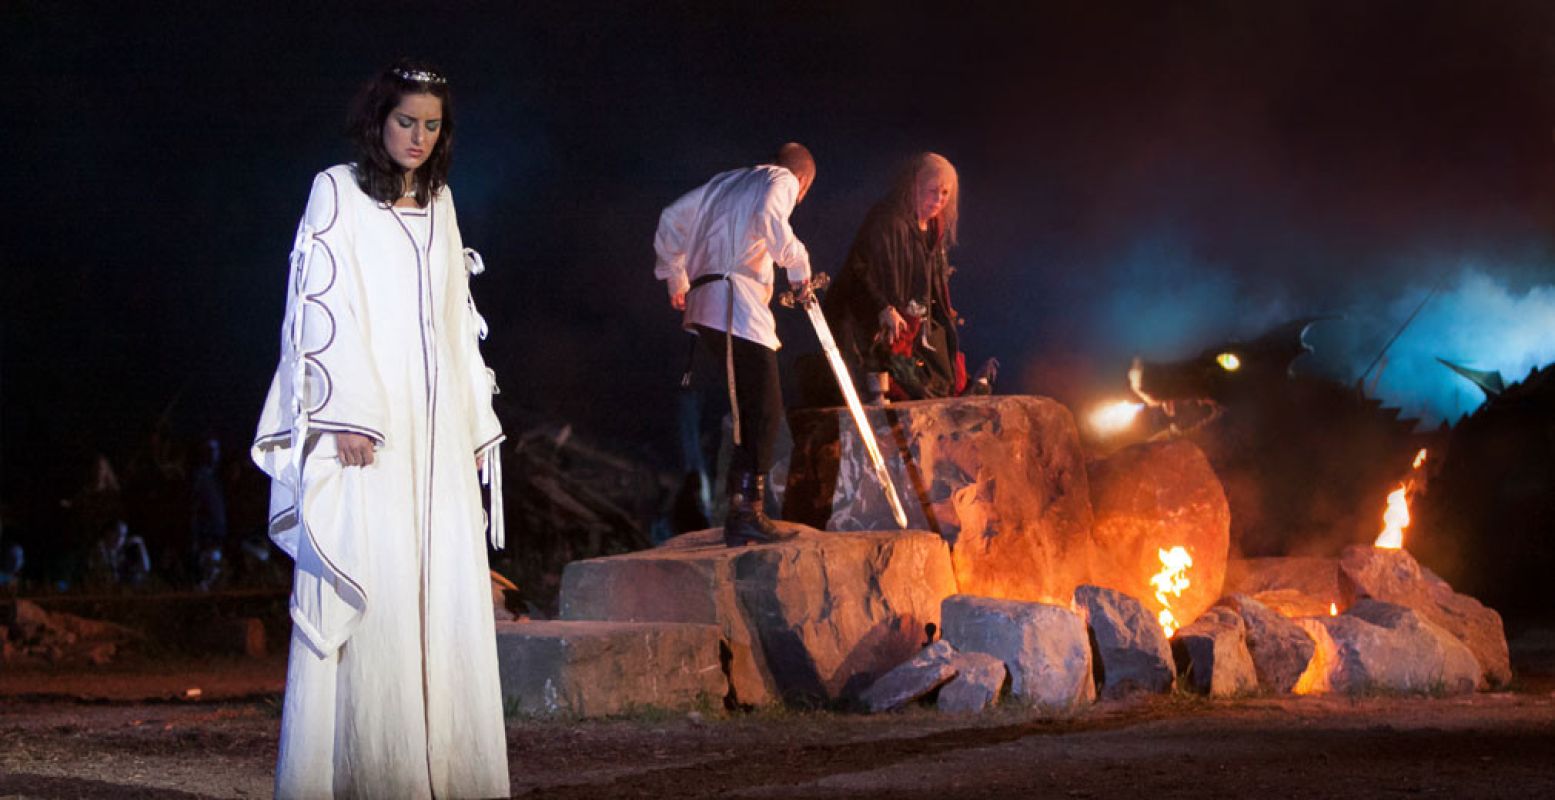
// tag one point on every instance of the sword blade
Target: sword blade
(855, 408)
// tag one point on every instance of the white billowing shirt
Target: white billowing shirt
(735, 224)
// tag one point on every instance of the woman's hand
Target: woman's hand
(353, 449)
(892, 325)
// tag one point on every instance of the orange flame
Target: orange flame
(1172, 579)
(1396, 517)
(1333, 609)
(1394, 520)
(1115, 417)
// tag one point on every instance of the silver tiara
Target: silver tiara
(419, 76)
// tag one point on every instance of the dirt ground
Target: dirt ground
(129, 733)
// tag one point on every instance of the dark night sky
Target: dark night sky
(1137, 177)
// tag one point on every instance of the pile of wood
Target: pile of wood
(567, 500)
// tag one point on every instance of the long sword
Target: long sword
(812, 309)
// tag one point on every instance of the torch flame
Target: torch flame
(1114, 417)
(1396, 518)
(1172, 579)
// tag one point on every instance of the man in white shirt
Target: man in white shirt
(716, 249)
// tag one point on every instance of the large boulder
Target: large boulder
(1045, 647)
(1280, 648)
(1294, 604)
(1131, 649)
(916, 677)
(591, 669)
(1317, 578)
(1394, 576)
(1212, 654)
(1154, 496)
(815, 618)
(1376, 646)
(1002, 479)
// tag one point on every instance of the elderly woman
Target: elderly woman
(377, 423)
(890, 306)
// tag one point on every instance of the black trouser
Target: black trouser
(759, 394)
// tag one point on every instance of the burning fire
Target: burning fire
(1114, 417)
(1333, 609)
(1396, 518)
(1172, 579)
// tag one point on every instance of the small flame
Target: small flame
(1172, 579)
(1114, 417)
(1419, 459)
(1333, 609)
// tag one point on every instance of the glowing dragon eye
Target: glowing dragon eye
(1228, 362)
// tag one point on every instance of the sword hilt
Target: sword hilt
(791, 299)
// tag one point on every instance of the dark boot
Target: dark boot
(747, 521)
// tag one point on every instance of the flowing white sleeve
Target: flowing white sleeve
(326, 380)
(785, 248)
(673, 240)
(468, 331)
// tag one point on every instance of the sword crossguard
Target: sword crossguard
(791, 299)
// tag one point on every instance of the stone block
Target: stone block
(980, 680)
(1280, 648)
(1154, 496)
(1212, 655)
(1394, 576)
(1376, 646)
(1314, 578)
(912, 679)
(592, 669)
(1002, 479)
(815, 618)
(1045, 647)
(1130, 648)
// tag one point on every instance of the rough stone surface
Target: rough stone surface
(1281, 650)
(1314, 578)
(1130, 648)
(914, 678)
(1394, 576)
(818, 617)
(980, 680)
(1001, 478)
(1045, 647)
(1293, 604)
(1376, 646)
(1212, 654)
(1153, 496)
(592, 669)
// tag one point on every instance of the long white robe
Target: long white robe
(391, 686)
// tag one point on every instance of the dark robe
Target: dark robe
(893, 263)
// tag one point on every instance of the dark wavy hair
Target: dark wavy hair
(376, 173)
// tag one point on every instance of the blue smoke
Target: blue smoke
(1159, 297)
(1477, 320)
(1160, 300)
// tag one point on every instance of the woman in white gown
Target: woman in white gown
(376, 433)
